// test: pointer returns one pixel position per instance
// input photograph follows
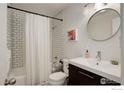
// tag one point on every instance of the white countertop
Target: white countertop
(105, 68)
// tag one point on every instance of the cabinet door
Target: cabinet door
(78, 76)
(86, 79)
(73, 76)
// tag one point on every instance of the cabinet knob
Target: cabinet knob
(103, 81)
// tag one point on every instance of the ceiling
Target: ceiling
(50, 9)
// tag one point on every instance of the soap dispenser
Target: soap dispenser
(87, 55)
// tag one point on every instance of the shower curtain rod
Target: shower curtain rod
(34, 13)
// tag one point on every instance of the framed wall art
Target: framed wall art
(72, 34)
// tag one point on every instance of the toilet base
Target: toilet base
(62, 82)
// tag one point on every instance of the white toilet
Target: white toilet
(59, 78)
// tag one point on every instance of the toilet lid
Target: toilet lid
(57, 76)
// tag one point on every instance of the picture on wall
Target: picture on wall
(72, 35)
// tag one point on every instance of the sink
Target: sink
(102, 65)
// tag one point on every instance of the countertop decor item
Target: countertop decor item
(114, 62)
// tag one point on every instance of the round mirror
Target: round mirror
(104, 24)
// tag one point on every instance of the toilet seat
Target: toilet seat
(57, 76)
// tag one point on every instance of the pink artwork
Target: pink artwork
(72, 35)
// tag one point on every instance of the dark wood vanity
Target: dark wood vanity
(78, 76)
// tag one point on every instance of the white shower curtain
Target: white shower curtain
(38, 65)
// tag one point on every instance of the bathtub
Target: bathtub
(19, 75)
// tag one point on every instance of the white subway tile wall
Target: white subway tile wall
(57, 41)
(16, 37)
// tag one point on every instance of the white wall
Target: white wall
(77, 17)
(57, 40)
(4, 53)
(122, 40)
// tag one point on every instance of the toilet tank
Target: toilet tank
(65, 65)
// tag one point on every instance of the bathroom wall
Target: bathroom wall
(16, 37)
(76, 16)
(4, 52)
(122, 40)
(57, 41)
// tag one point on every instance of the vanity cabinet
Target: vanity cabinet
(78, 76)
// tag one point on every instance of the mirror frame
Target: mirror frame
(98, 12)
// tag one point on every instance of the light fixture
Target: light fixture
(99, 5)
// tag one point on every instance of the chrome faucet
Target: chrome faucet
(98, 56)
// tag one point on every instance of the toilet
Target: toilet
(59, 78)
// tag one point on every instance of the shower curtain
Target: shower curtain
(38, 65)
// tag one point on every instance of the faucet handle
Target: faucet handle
(99, 53)
(98, 56)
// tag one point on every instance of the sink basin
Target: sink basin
(102, 65)
(95, 63)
